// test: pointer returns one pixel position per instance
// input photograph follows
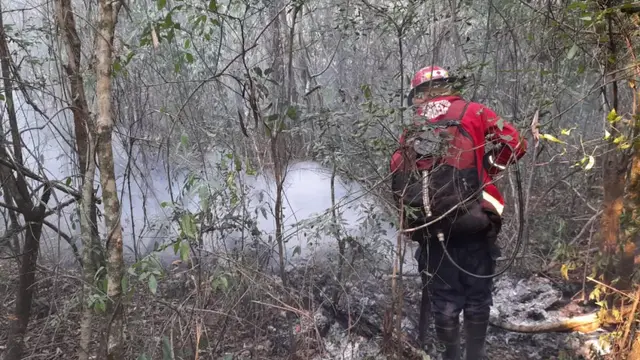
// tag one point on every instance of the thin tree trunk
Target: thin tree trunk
(8, 93)
(613, 178)
(108, 13)
(336, 234)
(17, 191)
(92, 249)
(279, 177)
(24, 298)
(87, 227)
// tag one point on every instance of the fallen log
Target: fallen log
(583, 323)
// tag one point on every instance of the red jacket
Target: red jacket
(484, 126)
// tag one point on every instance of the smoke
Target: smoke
(148, 214)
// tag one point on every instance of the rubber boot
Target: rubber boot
(448, 333)
(475, 327)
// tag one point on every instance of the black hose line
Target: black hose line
(519, 239)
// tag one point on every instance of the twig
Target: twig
(611, 288)
(284, 307)
(67, 238)
(584, 228)
(631, 319)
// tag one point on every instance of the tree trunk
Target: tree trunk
(83, 127)
(614, 179)
(24, 298)
(16, 190)
(108, 13)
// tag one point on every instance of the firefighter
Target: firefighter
(470, 240)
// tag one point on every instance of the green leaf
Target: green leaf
(68, 181)
(189, 57)
(176, 67)
(619, 139)
(153, 284)
(188, 226)
(117, 66)
(161, 4)
(167, 350)
(100, 305)
(220, 283)
(572, 52)
(366, 89)
(176, 247)
(566, 132)
(213, 5)
(500, 123)
(184, 140)
(248, 168)
(564, 270)
(124, 283)
(577, 5)
(292, 112)
(187, 43)
(551, 138)
(184, 250)
(624, 146)
(2, 97)
(613, 117)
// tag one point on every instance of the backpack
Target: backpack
(438, 180)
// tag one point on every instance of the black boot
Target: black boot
(475, 327)
(448, 333)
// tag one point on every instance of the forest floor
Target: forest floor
(257, 319)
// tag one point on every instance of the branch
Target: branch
(30, 174)
(24, 227)
(67, 238)
(10, 207)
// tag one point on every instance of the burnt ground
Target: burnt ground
(258, 318)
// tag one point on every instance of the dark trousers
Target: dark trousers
(450, 289)
(447, 290)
